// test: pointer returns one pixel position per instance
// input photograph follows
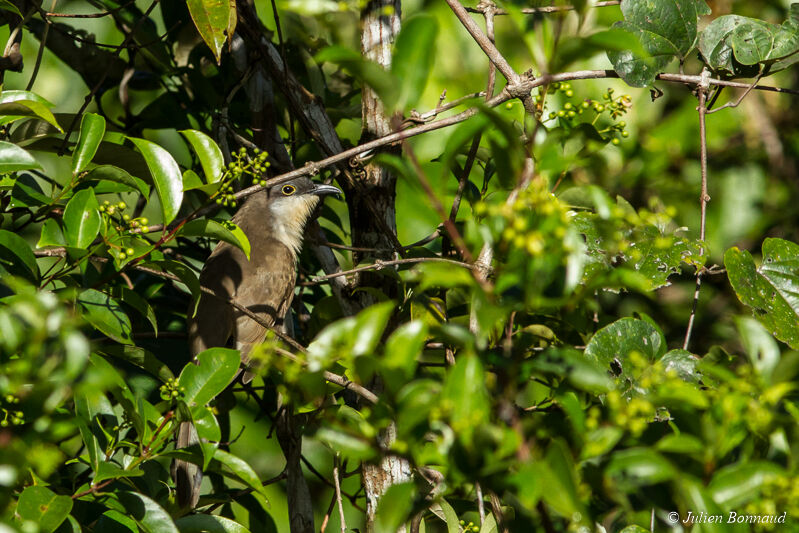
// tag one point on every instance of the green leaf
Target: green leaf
(412, 60)
(27, 104)
(166, 176)
(209, 153)
(634, 529)
(666, 28)
(215, 369)
(51, 234)
(680, 443)
(465, 396)
(7, 5)
(141, 358)
(109, 470)
(205, 523)
(82, 219)
(772, 289)
(117, 175)
(16, 257)
(560, 480)
(612, 345)
(762, 349)
(148, 515)
(733, 486)
(448, 515)
(135, 300)
(211, 17)
(682, 362)
(13, 158)
(239, 468)
(43, 507)
(105, 314)
(394, 507)
(351, 447)
(402, 349)
(92, 129)
(223, 230)
(634, 468)
(372, 74)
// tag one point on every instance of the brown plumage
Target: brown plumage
(274, 222)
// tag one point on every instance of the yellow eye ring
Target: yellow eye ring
(288, 190)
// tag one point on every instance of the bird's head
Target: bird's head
(291, 204)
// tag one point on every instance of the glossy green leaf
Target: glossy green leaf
(638, 467)
(209, 154)
(760, 346)
(140, 357)
(736, 485)
(148, 515)
(6, 4)
(402, 349)
(13, 158)
(43, 507)
(104, 313)
(238, 468)
(215, 369)
(211, 17)
(770, 290)
(448, 515)
(680, 443)
(166, 176)
(82, 219)
(117, 175)
(27, 104)
(394, 507)
(109, 470)
(682, 362)
(117, 522)
(465, 396)
(612, 345)
(560, 480)
(135, 300)
(600, 441)
(205, 523)
(350, 446)
(16, 257)
(92, 129)
(412, 60)
(51, 234)
(222, 230)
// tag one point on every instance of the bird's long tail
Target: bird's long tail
(187, 476)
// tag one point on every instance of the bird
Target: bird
(274, 221)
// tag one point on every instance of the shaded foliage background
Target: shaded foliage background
(571, 402)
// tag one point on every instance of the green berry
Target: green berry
(144, 229)
(599, 108)
(126, 217)
(219, 200)
(615, 141)
(508, 105)
(585, 104)
(567, 106)
(110, 210)
(622, 123)
(102, 208)
(122, 255)
(130, 251)
(571, 114)
(561, 113)
(569, 93)
(106, 203)
(122, 206)
(552, 115)
(625, 134)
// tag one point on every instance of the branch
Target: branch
(379, 265)
(544, 9)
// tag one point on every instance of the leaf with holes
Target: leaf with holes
(666, 29)
(43, 507)
(772, 289)
(613, 345)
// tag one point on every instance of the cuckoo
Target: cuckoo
(274, 222)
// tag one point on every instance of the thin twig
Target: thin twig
(40, 52)
(544, 9)
(704, 198)
(379, 265)
(88, 15)
(337, 483)
(481, 509)
(737, 102)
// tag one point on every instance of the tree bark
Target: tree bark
(380, 24)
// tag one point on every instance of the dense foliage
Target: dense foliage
(531, 350)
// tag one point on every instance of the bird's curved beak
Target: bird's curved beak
(324, 190)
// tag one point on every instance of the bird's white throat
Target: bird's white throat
(289, 215)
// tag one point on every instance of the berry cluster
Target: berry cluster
(469, 527)
(613, 106)
(242, 164)
(11, 417)
(122, 221)
(171, 390)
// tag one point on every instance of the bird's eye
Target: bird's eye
(288, 190)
